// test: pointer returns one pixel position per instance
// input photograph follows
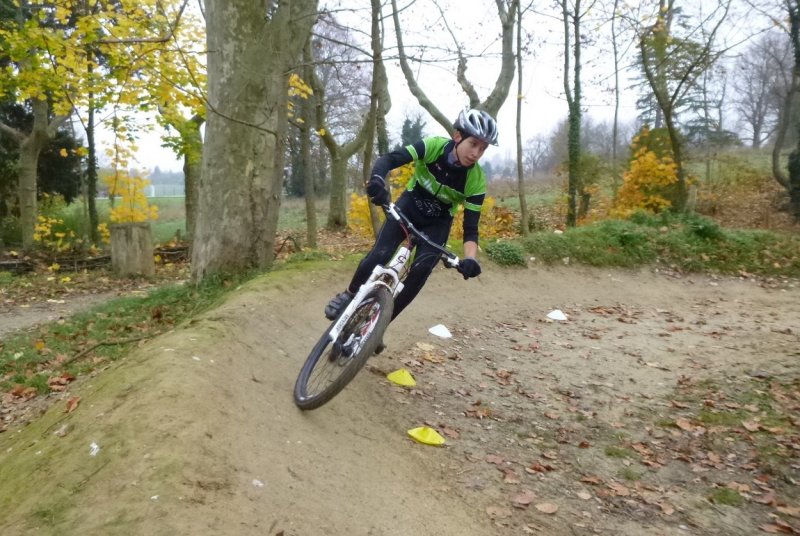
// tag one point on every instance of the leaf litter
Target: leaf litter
(636, 401)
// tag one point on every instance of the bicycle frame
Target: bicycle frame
(391, 277)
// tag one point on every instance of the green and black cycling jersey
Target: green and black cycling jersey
(439, 183)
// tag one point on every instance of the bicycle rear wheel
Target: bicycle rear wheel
(332, 364)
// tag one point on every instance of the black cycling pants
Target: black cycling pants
(390, 237)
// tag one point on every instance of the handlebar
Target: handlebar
(449, 258)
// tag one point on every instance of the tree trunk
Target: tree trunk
(381, 103)
(91, 172)
(309, 189)
(192, 170)
(29, 151)
(681, 192)
(369, 145)
(573, 94)
(339, 153)
(249, 54)
(615, 175)
(307, 113)
(337, 212)
(132, 250)
(523, 202)
(793, 186)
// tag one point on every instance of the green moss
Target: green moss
(726, 496)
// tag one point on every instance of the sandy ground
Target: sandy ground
(196, 432)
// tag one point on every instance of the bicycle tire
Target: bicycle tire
(330, 364)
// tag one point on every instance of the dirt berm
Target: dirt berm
(196, 433)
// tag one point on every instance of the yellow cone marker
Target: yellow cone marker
(426, 435)
(402, 377)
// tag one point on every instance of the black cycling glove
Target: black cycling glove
(377, 192)
(469, 267)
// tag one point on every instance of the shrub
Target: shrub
(506, 253)
(704, 228)
(648, 184)
(496, 222)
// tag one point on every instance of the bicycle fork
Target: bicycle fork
(394, 286)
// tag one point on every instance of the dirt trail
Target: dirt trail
(197, 432)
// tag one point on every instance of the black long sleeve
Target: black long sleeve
(399, 157)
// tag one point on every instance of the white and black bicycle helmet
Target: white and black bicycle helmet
(478, 124)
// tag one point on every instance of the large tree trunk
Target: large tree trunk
(29, 151)
(250, 51)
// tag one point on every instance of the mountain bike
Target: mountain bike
(358, 330)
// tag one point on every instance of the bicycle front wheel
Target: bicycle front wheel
(332, 364)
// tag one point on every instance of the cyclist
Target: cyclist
(446, 175)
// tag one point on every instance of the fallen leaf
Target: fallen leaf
(667, 509)
(523, 499)
(619, 489)
(767, 498)
(480, 414)
(592, 479)
(498, 511)
(495, 459)
(741, 488)
(793, 511)
(72, 404)
(547, 508)
(775, 528)
(510, 476)
(751, 426)
(451, 433)
(684, 424)
(585, 495)
(538, 468)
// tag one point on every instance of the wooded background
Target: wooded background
(273, 99)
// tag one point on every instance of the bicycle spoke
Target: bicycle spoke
(333, 364)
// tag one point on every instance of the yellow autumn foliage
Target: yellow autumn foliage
(646, 184)
(133, 205)
(495, 222)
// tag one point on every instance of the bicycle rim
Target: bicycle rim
(332, 364)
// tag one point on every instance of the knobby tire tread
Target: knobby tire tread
(386, 303)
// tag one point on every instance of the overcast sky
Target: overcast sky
(475, 24)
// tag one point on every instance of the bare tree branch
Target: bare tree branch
(413, 86)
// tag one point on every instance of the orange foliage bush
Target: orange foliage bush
(648, 182)
(496, 222)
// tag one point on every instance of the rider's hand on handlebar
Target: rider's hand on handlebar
(469, 267)
(377, 192)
